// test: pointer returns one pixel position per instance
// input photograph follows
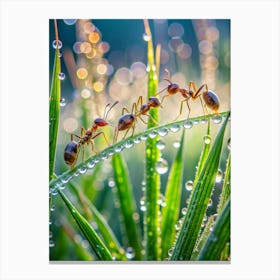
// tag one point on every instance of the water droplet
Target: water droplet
(82, 170)
(177, 144)
(142, 200)
(129, 253)
(61, 76)
(210, 203)
(69, 21)
(128, 144)
(217, 119)
(207, 139)
(119, 149)
(175, 128)
(161, 166)
(57, 44)
(111, 183)
(195, 121)
(211, 228)
(143, 183)
(137, 140)
(219, 176)
(188, 124)
(189, 185)
(96, 160)
(153, 134)
(184, 211)
(59, 54)
(111, 152)
(162, 132)
(62, 102)
(144, 137)
(160, 145)
(50, 234)
(54, 191)
(228, 144)
(66, 179)
(178, 226)
(52, 208)
(51, 244)
(148, 68)
(104, 156)
(170, 252)
(146, 37)
(203, 121)
(143, 208)
(91, 164)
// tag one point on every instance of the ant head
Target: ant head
(154, 102)
(100, 122)
(173, 88)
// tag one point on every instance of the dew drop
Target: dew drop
(52, 208)
(189, 185)
(146, 37)
(129, 253)
(82, 170)
(177, 144)
(211, 229)
(62, 186)
(207, 139)
(57, 44)
(50, 234)
(217, 119)
(175, 128)
(184, 211)
(219, 176)
(59, 54)
(210, 203)
(137, 140)
(128, 144)
(170, 252)
(51, 244)
(104, 156)
(153, 134)
(143, 208)
(66, 179)
(61, 76)
(162, 166)
(111, 183)
(188, 124)
(160, 145)
(203, 121)
(228, 144)
(96, 160)
(62, 102)
(144, 137)
(162, 132)
(195, 121)
(91, 164)
(119, 149)
(54, 191)
(69, 21)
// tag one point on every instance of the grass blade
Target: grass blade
(92, 214)
(99, 248)
(69, 174)
(152, 228)
(199, 201)
(54, 109)
(219, 237)
(127, 205)
(170, 212)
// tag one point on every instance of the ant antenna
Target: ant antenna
(166, 79)
(107, 112)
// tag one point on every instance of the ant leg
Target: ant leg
(72, 136)
(164, 98)
(162, 90)
(199, 89)
(181, 109)
(125, 133)
(99, 133)
(115, 135)
(83, 155)
(139, 102)
(134, 108)
(203, 107)
(155, 122)
(132, 130)
(143, 120)
(83, 131)
(125, 110)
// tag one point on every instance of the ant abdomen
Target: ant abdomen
(70, 153)
(211, 100)
(126, 122)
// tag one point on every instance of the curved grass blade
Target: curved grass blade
(54, 108)
(199, 201)
(127, 205)
(106, 233)
(99, 248)
(226, 186)
(219, 237)
(69, 174)
(152, 225)
(170, 212)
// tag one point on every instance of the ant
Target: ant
(72, 149)
(210, 98)
(128, 120)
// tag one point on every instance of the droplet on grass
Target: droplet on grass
(129, 253)
(62, 102)
(61, 76)
(207, 139)
(160, 145)
(189, 185)
(146, 37)
(219, 176)
(57, 44)
(161, 166)
(188, 124)
(177, 144)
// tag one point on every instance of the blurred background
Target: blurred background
(105, 61)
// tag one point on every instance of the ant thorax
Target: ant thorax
(144, 108)
(186, 93)
(154, 102)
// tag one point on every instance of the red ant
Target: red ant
(128, 120)
(210, 98)
(72, 149)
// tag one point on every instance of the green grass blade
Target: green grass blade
(54, 110)
(173, 192)
(199, 201)
(127, 205)
(92, 214)
(69, 174)
(219, 237)
(152, 225)
(204, 155)
(226, 186)
(99, 248)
